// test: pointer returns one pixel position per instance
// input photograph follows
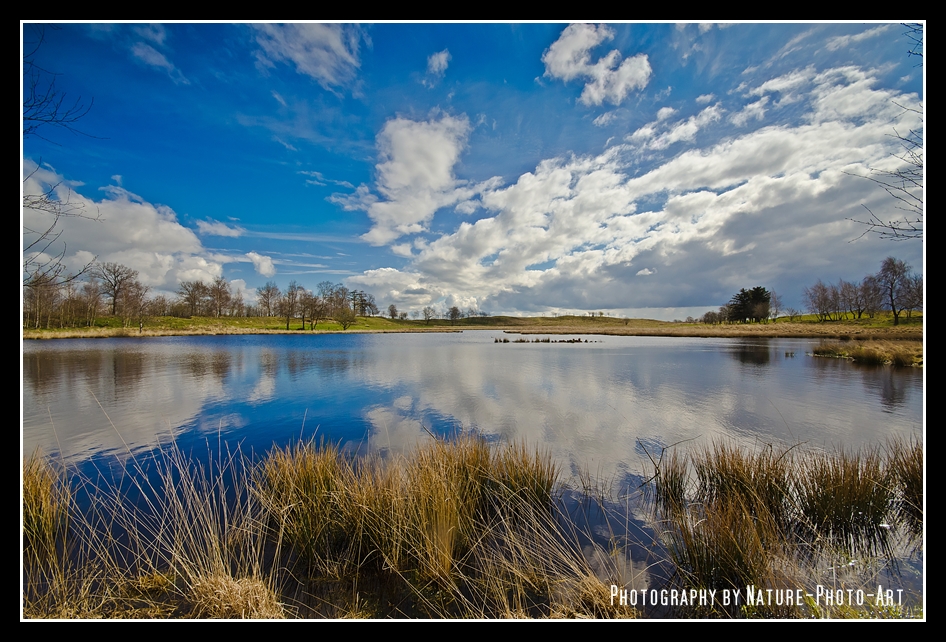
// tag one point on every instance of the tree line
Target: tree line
(115, 290)
(895, 289)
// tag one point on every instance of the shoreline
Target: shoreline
(774, 330)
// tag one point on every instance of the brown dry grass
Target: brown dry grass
(875, 351)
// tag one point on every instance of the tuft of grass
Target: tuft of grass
(761, 480)
(905, 463)
(221, 596)
(844, 498)
(46, 501)
(772, 520)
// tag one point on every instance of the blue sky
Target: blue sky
(638, 169)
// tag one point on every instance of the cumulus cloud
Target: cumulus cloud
(216, 228)
(573, 234)
(415, 176)
(609, 78)
(327, 53)
(262, 264)
(126, 229)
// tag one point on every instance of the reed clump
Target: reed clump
(771, 519)
(905, 461)
(456, 528)
(46, 498)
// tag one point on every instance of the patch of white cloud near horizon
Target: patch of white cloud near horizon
(144, 236)
(327, 53)
(578, 217)
(609, 79)
(415, 176)
(216, 228)
(262, 264)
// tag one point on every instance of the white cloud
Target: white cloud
(262, 264)
(609, 79)
(437, 63)
(129, 230)
(839, 42)
(665, 112)
(604, 119)
(683, 130)
(415, 176)
(216, 228)
(327, 53)
(764, 206)
(751, 111)
(704, 99)
(154, 58)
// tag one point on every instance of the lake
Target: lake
(596, 405)
(602, 407)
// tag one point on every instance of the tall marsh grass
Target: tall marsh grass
(455, 529)
(776, 519)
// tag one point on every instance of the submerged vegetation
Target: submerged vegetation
(458, 528)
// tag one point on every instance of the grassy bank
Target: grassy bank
(880, 327)
(456, 529)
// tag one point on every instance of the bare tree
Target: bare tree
(219, 295)
(818, 300)
(429, 313)
(392, 311)
(267, 297)
(454, 314)
(894, 279)
(289, 300)
(114, 278)
(44, 205)
(905, 184)
(193, 294)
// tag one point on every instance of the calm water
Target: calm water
(599, 407)
(595, 405)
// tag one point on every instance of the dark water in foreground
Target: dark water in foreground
(599, 408)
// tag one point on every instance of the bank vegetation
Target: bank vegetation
(455, 529)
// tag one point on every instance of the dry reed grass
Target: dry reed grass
(898, 353)
(771, 519)
(455, 529)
